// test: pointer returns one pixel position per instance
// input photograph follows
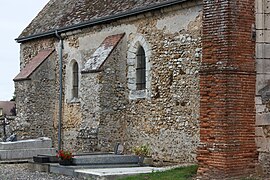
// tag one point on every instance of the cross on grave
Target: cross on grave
(4, 124)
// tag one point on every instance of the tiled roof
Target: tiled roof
(6, 107)
(33, 64)
(102, 53)
(59, 14)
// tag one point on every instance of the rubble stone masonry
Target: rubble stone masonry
(110, 110)
(104, 113)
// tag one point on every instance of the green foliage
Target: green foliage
(181, 173)
(142, 150)
(13, 97)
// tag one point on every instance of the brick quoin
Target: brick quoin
(227, 91)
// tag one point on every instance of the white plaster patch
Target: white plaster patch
(92, 41)
(178, 21)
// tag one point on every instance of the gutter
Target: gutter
(60, 89)
(100, 20)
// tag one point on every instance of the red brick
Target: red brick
(227, 89)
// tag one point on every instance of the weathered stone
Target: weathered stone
(259, 132)
(164, 115)
(110, 109)
(262, 119)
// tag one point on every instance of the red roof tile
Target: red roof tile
(33, 64)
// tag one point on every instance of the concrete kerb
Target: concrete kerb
(115, 173)
(103, 173)
(72, 170)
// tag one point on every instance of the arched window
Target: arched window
(75, 80)
(140, 69)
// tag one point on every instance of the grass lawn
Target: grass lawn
(181, 173)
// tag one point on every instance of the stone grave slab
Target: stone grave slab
(24, 153)
(27, 144)
(25, 149)
(105, 159)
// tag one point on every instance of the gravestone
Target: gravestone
(118, 149)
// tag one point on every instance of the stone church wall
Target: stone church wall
(36, 101)
(104, 114)
(263, 86)
(168, 121)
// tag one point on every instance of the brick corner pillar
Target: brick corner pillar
(227, 90)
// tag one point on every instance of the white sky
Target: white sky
(15, 15)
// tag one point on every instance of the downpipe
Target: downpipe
(61, 47)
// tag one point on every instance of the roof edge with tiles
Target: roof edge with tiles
(31, 67)
(100, 20)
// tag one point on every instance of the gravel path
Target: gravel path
(20, 172)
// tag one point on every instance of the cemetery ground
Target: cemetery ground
(19, 160)
(22, 172)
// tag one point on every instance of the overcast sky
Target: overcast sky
(15, 15)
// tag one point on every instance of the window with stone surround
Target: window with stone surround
(139, 66)
(73, 81)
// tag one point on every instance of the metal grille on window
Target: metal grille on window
(75, 88)
(140, 70)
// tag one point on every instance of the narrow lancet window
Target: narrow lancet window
(75, 83)
(140, 69)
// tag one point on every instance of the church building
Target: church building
(189, 78)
